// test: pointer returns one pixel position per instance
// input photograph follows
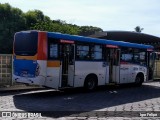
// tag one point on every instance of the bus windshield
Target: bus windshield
(25, 43)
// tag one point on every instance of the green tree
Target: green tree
(56, 27)
(12, 20)
(89, 30)
(35, 16)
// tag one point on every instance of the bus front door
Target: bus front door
(114, 65)
(67, 65)
(151, 65)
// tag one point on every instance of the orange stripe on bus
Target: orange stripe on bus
(27, 57)
(53, 63)
(42, 46)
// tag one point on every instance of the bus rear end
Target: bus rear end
(29, 51)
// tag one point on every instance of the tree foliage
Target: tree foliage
(35, 16)
(13, 20)
(89, 30)
(56, 27)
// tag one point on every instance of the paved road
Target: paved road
(123, 102)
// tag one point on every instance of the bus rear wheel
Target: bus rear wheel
(139, 80)
(90, 83)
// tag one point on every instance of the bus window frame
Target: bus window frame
(133, 53)
(54, 41)
(90, 45)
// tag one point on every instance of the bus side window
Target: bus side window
(126, 55)
(53, 51)
(82, 52)
(96, 52)
(89, 52)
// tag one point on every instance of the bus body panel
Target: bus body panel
(116, 74)
(39, 80)
(42, 68)
(29, 71)
(84, 68)
(71, 75)
(52, 78)
(107, 75)
(52, 74)
(128, 72)
(124, 73)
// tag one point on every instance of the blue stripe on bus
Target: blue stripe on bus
(96, 40)
(27, 67)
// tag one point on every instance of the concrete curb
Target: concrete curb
(19, 88)
(156, 79)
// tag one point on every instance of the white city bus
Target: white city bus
(60, 60)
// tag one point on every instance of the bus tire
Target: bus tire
(139, 79)
(90, 83)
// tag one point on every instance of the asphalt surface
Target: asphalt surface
(107, 102)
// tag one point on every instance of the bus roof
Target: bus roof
(96, 40)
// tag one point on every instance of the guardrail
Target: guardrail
(5, 69)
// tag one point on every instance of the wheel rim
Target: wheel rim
(138, 79)
(91, 84)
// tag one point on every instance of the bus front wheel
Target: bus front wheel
(90, 83)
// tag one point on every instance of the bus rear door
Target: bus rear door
(67, 63)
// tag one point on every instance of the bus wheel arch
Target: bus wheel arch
(139, 79)
(91, 82)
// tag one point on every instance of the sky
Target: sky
(109, 15)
